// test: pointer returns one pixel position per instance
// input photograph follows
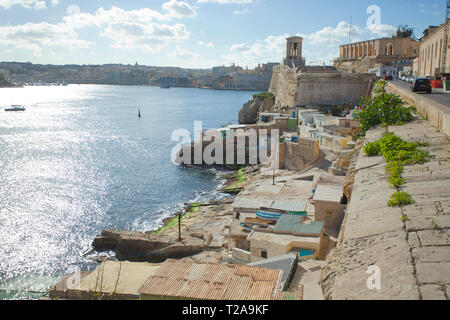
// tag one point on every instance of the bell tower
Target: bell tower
(294, 52)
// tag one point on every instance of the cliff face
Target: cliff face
(249, 112)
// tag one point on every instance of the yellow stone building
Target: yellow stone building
(434, 53)
(365, 55)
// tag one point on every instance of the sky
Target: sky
(198, 33)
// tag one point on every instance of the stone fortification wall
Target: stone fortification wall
(296, 88)
(283, 85)
(331, 88)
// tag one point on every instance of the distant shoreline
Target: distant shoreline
(129, 85)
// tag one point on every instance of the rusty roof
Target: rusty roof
(212, 281)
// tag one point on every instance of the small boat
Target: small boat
(139, 113)
(268, 216)
(15, 108)
(246, 227)
(165, 87)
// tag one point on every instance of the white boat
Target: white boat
(15, 108)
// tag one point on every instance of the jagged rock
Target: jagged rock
(137, 246)
(249, 112)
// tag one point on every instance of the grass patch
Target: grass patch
(264, 96)
(240, 178)
(173, 222)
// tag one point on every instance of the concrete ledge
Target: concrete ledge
(437, 114)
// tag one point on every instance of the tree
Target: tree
(404, 31)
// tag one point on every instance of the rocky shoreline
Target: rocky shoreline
(204, 230)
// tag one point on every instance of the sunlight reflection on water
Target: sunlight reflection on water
(78, 161)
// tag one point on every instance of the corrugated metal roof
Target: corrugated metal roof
(294, 225)
(287, 263)
(213, 281)
(251, 203)
(329, 193)
(289, 206)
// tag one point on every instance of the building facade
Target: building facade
(365, 55)
(434, 53)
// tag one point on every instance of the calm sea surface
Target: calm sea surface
(79, 160)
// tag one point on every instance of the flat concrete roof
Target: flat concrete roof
(117, 277)
(284, 239)
(294, 225)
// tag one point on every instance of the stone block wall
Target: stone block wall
(331, 88)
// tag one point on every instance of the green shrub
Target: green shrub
(263, 96)
(397, 153)
(385, 108)
(399, 199)
(372, 149)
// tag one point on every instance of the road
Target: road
(438, 95)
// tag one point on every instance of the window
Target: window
(329, 213)
(264, 254)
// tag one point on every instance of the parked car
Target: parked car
(422, 84)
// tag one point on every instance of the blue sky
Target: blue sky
(195, 33)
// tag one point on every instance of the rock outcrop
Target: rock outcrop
(136, 246)
(249, 112)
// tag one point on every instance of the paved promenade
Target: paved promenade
(413, 256)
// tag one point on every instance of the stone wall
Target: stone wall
(296, 88)
(437, 114)
(296, 156)
(331, 88)
(409, 245)
(332, 221)
(283, 85)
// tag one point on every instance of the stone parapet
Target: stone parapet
(411, 255)
(437, 114)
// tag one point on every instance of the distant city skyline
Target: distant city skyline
(196, 33)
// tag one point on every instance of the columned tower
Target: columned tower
(294, 52)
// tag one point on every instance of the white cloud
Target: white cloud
(270, 49)
(179, 9)
(183, 54)
(33, 36)
(382, 30)
(29, 4)
(73, 10)
(206, 44)
(237, 12)
(141, 29)
(331, 36)
(225, 1)
(319, 46)
(152, 37)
